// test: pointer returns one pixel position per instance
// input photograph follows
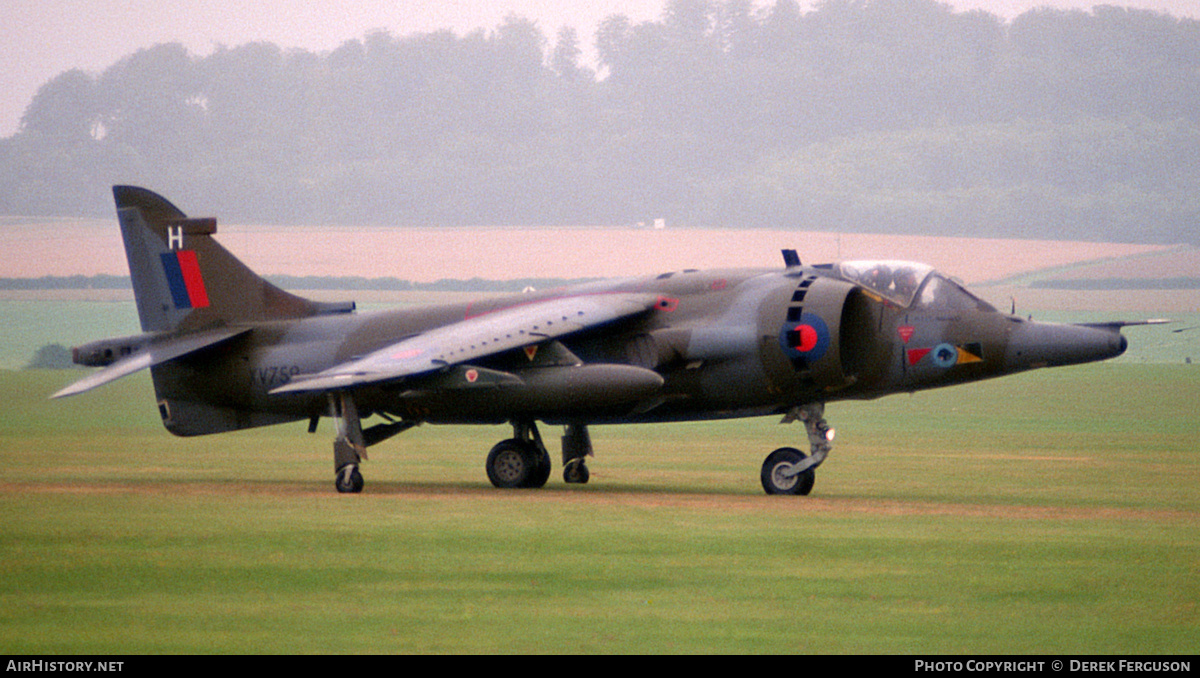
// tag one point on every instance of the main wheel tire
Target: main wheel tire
(541, 473)
(511, 464)
(773, 480)
(348, 480)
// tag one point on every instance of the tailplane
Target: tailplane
(184, 280)
(192, 295)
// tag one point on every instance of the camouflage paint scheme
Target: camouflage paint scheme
(227, 350)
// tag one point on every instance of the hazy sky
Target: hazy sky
(42, 38)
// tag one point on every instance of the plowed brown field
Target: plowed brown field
(90, 247)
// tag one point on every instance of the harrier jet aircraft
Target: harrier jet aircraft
(228, 350)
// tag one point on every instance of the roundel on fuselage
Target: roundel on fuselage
(944, 355)
(806, 338)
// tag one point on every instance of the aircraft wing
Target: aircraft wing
(154, 353)
(475, 337)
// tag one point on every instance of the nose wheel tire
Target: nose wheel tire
(777, 477)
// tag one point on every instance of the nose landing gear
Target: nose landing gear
(788, 470)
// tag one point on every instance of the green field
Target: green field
(1051, 512)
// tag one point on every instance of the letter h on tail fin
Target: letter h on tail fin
(183, 279)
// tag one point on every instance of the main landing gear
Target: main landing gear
(523, 462)
(520, 461)
(788, 470)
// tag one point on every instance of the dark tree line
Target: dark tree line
(866, 115)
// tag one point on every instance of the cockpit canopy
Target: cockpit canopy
(908, 283)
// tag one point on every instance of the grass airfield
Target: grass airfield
(1052, 512)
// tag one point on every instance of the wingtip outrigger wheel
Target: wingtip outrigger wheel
(349, 447)
(348, 479)
(788, 470)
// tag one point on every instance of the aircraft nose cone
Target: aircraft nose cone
(1052, 344)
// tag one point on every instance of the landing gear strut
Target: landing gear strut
(349, 447)
(576, 446)
(788, 470)
(522, 461)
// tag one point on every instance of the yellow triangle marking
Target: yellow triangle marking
(965, 356)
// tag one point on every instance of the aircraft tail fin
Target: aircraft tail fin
(184, 280)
